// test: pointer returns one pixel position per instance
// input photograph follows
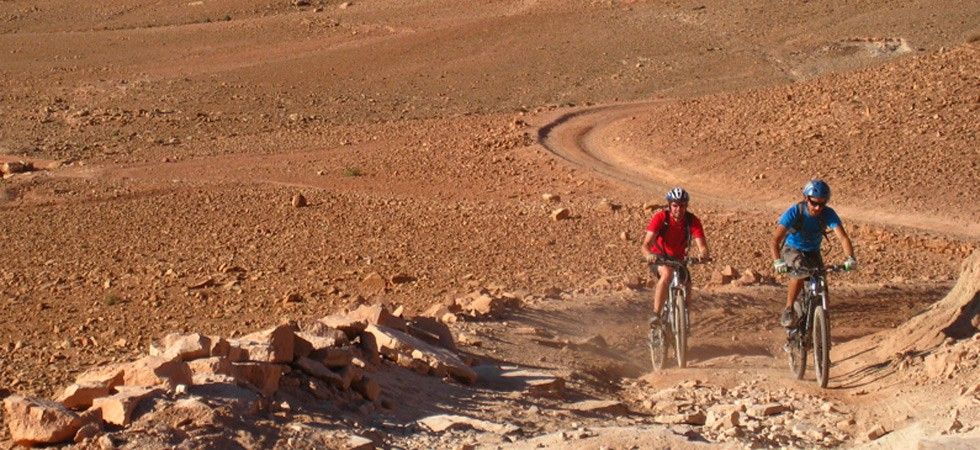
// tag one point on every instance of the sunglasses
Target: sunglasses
(816, 204)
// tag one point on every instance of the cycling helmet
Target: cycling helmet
(678, 194)
(817, 188)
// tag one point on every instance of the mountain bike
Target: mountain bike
(812, 328)
(675, 324)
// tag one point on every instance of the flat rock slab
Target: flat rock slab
(444, 422)
(80, 396)
(600, 406)
(393, 343)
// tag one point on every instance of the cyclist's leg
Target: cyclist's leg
(794, 259)
(665, 275)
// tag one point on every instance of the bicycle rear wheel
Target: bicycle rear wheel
(821, 346)
(680, 327)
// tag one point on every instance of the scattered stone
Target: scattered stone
(553, 198)
(749, 277)
(606, 205)
(401, 278)
(298, 201)
(723, 416)
(875, 432)
(373, 284)
(13, 167)
(441, 313)
(719, 278)
(560, 214)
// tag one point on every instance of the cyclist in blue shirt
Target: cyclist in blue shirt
(803, 226)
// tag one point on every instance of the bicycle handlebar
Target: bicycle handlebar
(675, 262)
(809, 271)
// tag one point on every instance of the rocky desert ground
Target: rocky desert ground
(380, 224)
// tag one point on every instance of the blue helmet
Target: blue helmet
(678, 194)
(817, 188)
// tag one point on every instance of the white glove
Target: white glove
(780, 266)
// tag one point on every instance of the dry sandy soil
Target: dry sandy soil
(170, 138)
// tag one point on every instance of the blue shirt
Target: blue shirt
(809, 238)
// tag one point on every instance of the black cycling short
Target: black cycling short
(799, 259)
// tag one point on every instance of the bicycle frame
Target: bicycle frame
(675, 285)
(814, 287)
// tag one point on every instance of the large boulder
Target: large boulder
(35, 421)
(274, 345)
(264, 377)
(152, 371)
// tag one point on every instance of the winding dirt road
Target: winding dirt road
(575, 137)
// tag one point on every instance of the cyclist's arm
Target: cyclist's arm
(777, 240)
(702, 248)
(845, 240)
(648, 240)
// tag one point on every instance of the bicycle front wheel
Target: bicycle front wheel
(680, 327)
(821, 345)
(658, 348)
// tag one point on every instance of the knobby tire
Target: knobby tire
(680, 327)
(821, 345)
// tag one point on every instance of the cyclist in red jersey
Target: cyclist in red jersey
(669, 234)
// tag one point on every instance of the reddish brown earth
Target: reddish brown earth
(171, 138)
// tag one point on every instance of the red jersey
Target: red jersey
(675, 239)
